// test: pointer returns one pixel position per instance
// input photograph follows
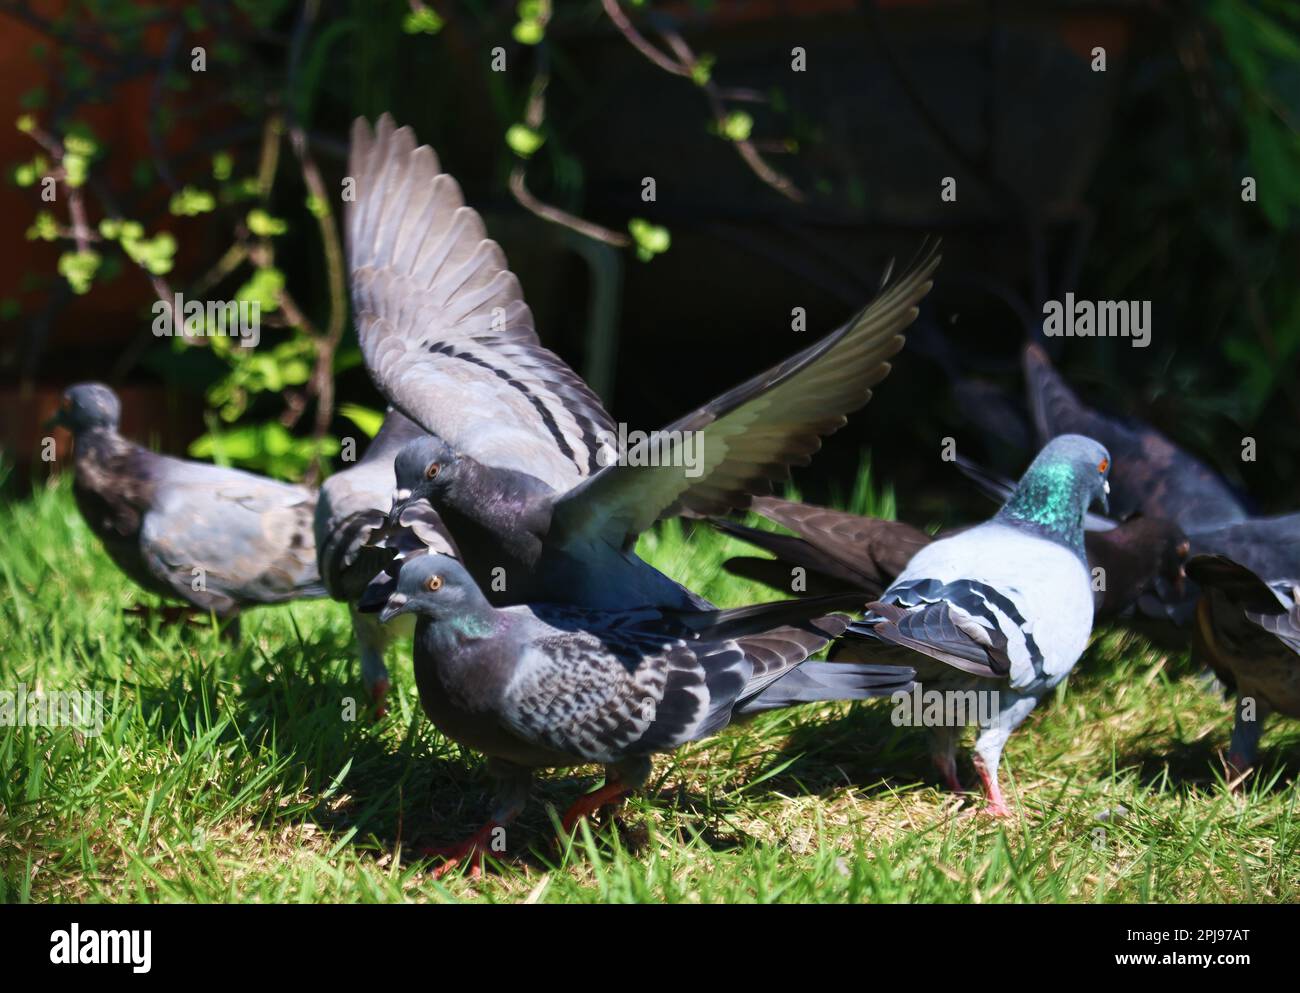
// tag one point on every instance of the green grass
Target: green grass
(228, 774)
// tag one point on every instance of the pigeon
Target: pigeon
(539, 487)
(219, 539)
(835, 548)
(352, 504)
(1248, 631)
(999, 613)
(1155, 477)
(544, 685)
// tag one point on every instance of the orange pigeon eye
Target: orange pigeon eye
(432, 470)
(433, 584)
(1103, 465)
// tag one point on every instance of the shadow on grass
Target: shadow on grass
(1198, 766)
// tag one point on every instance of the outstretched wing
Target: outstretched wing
(716, 458)
(443, 324)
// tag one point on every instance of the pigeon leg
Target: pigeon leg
(230, 628)
(620, 780)
(372, 640)
(1244, 750)
(995, 729)
(489, 838)
(513, 784)
(611, 793)
(995, 805)
(943, 752)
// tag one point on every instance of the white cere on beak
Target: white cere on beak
(1105, 486)
(400, 495)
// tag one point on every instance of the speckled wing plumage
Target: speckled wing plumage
(604, 697)
(751, 435)
(1152, 475)
(250, 537)
(603, 686)
(443, 324)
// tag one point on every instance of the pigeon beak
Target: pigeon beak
(381, 589)
(401, 496)
(397, 604)
(1104, 499)
(57, 420)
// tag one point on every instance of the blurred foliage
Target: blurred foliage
(220, 204)
(1198, 210)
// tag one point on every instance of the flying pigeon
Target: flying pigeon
(217, 538)
(543, 686)
(534, 475)
(1004, 609)
(1248, 631)
(834, 549)
(352, 504)
(1155, 477)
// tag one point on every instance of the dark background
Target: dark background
(1122, 184)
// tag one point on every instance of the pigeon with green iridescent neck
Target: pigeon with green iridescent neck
(1000, 612)
(544, 685)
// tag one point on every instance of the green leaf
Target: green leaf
(79, 269)
(737, 126)
(523, 140)
(264, 287)
(651, 239)
(264, 225)
(368, 420)
(190, 202)
(422, 20)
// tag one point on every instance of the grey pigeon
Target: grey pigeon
(999, 613)
(450, 342)
(352, 504)
(835, 549)
(220, 539)
(1248, 631)
(542, 686)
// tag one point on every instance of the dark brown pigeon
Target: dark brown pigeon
(1248, 631)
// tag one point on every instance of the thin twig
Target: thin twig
(534, 115)
(684, 65)
(746, 148)
(638, 41)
